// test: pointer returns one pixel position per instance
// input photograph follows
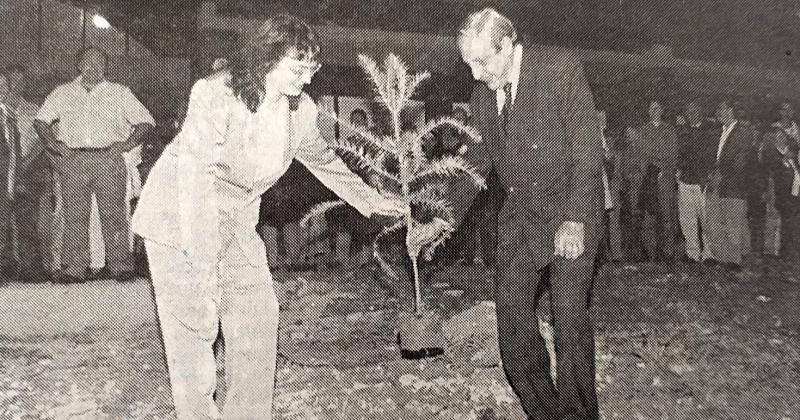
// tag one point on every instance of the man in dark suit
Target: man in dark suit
(726, 194)
(540, 132)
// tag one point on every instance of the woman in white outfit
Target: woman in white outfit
(199, 209)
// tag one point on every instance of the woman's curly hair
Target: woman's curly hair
(280, 35)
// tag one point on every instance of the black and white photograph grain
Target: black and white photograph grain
(399, 210)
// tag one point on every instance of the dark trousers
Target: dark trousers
(790, 227)
(522, 348)
(6, 215)
(102, 173)
(658, 215)
(35, 182)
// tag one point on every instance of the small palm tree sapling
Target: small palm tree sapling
(417, 180)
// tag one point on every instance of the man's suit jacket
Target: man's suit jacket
(731, 178)
(550, 160)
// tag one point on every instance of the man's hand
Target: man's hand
(421, 235)
(569, 241)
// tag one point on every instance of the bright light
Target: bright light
(100, 22)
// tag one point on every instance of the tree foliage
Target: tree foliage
(396, 163)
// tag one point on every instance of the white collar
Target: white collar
(516, 66)
(514, 72)
(79, 83)
(729, 128)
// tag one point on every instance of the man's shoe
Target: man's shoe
(34, 275)
(685, 259)
(711, 262)
(100, 274)
(63, 278)
(733, 267)
(9, 271)
(124, 276)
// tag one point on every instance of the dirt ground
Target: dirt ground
(683, 343)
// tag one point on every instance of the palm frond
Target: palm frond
(396, 83)
(436, 206)
(438, 189)
(451, 166)
(435, 244)
(376, 76)
(320, 210)
(363, 160)
(414, 82)
(473, 134)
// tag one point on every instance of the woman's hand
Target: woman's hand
(393, 207)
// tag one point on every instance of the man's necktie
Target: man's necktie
(506, 107)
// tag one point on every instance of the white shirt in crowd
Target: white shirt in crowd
(609, 200)
(726, 132)
(93, 118)
(516, 64)
(5, 131)
(792, 131)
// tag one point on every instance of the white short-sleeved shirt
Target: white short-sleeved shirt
(93, 118)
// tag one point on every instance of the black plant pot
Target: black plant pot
(420, 335)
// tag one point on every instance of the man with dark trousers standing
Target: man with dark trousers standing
(540, 132)
(659, 151)
(98, 122)
(696, 158)
(726, 193)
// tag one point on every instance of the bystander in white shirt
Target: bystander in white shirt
(94, 118)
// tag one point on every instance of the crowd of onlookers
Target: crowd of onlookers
(709, 187)
(723, 185)
(71, 168)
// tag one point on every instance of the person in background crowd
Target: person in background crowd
(726, 191)
(696, 158)
(781, 161)
(632, 171)
(611, 186)
(348, 219)
(99, 121)
(659, 148)
(9, 158)
(31, 185)
(769, 243)
(30, 144)
(359, 119)
(787, 123)
(199, 208)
